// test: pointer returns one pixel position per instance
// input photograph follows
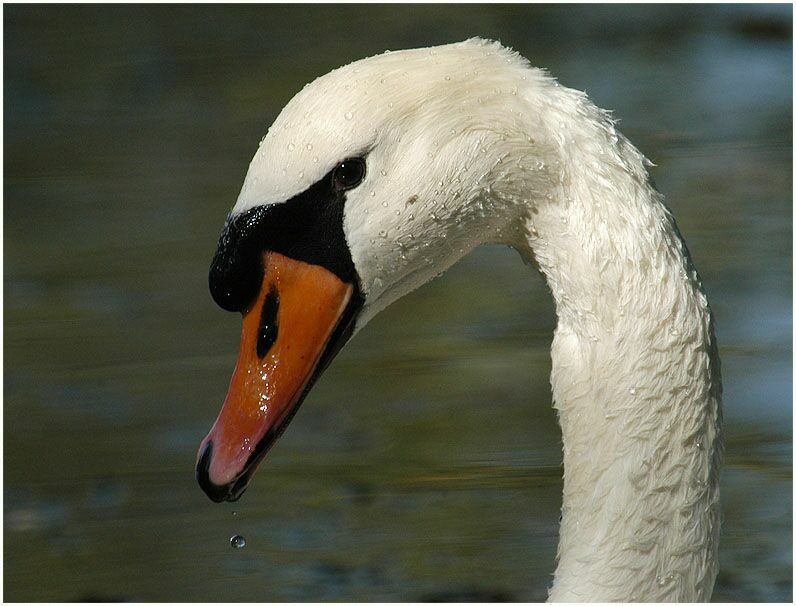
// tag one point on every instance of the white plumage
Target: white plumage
(468, 144)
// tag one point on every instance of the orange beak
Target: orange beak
(290, 333)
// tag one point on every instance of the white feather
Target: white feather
(468, 144)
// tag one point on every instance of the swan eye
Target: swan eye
(349, 173)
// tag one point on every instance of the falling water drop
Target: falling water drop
(290, 147)
(237, 541)
(348, 115)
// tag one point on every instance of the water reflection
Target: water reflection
(425, 465)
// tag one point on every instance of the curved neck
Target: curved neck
(635, 372)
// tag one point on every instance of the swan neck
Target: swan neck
(635, 376)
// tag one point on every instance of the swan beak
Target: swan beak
(298, 322)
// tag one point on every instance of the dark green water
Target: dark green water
(426, 462)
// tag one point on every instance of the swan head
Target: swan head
(373, 179)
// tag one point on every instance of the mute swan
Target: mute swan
(383, 173)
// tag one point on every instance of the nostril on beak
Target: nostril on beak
(215, 492)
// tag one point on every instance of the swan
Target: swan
(377, 177)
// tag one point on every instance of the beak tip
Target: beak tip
(214, 491)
